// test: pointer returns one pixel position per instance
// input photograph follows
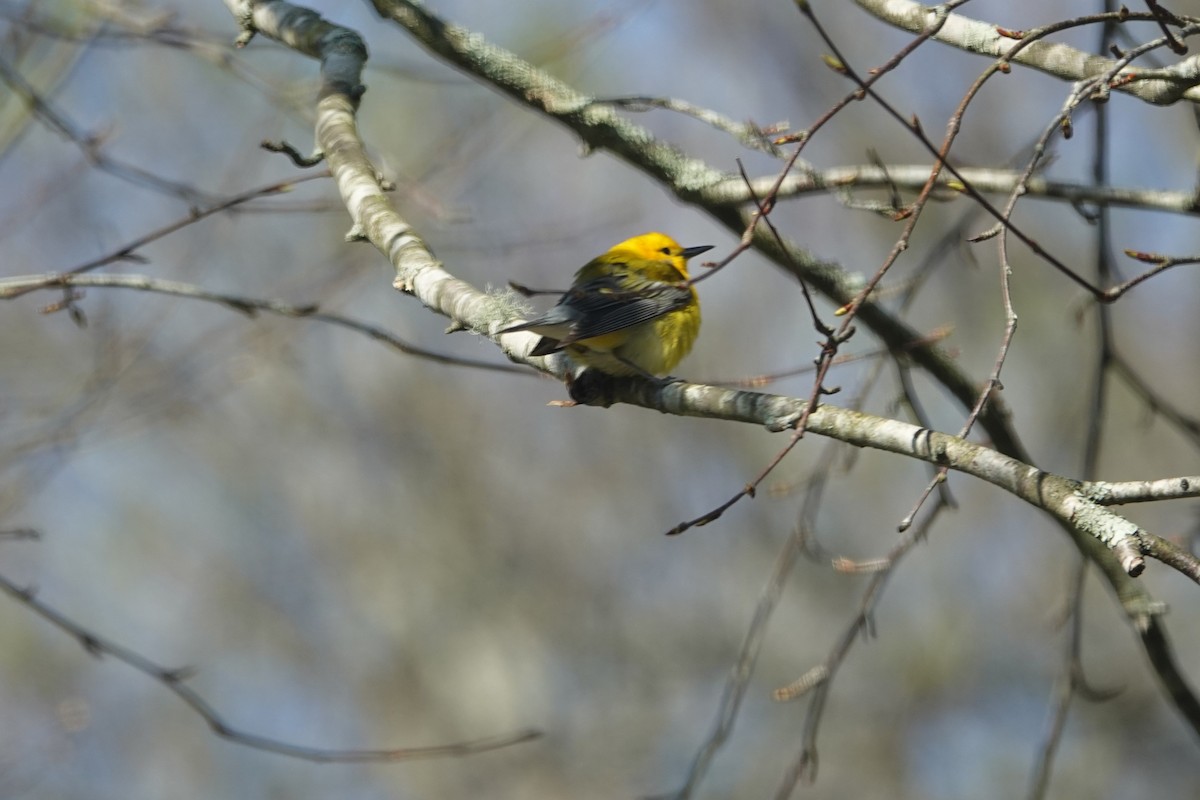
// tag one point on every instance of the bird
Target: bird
(630, 311)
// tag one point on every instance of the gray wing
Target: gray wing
(602, 305)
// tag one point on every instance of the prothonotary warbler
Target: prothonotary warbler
(630, 311)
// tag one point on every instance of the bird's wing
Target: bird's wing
(608, 303)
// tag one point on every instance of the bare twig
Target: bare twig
(175, 681)
(128, 251)
(91, 144)
(818, 680)
(11, 287)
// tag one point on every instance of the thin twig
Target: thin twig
(175, 680)
(128, 251)
(11, 287)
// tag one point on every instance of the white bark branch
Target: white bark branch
(1179, 82)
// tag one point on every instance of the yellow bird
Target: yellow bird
(629, 311)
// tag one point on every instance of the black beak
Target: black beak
(692, 252)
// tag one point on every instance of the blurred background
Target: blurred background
(361, 549)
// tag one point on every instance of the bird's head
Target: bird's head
(660, 247)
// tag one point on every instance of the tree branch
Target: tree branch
(175, 680)
(1059, 60)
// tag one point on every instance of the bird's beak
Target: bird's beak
(692, 252)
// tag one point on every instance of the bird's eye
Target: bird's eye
(666, 251)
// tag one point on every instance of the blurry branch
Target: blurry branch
(759, 381)
(110, 25)
(246, 305)
(1158, 86)
(819, 679)
(128, 251)
(595, 121)
(175, 680)
(20, 533)
(52, 65)
(1072, 680)
(734, 191)
(752, 136)
(1186, 424)
(739, 676)
(120, 27)
(91, 145)
(131, 26)
(1165, 19)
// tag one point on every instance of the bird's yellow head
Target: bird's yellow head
(659, 247)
